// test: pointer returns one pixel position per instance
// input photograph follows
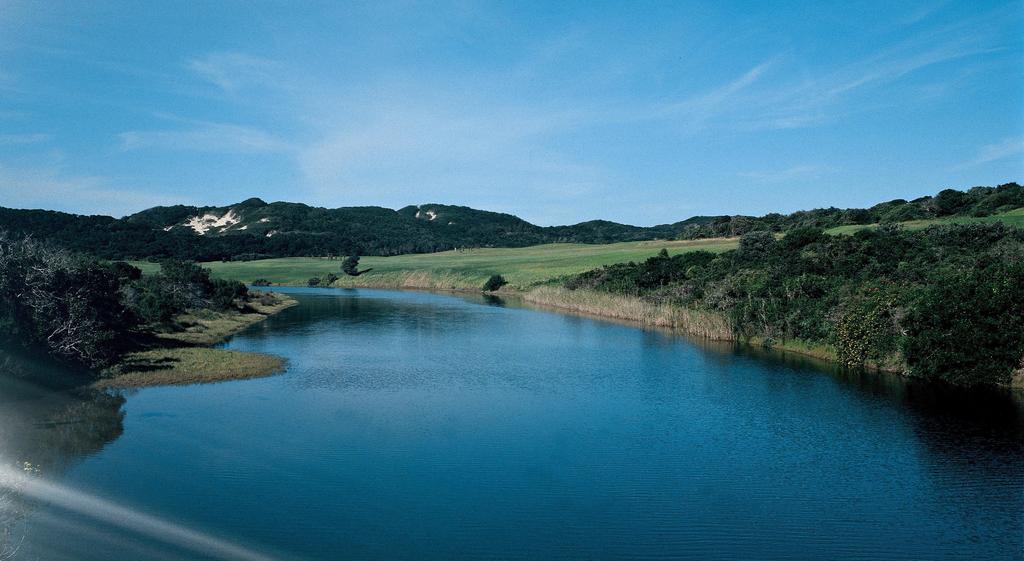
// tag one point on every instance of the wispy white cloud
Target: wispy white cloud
(232, 71)
(922, 12)
(720, 95)
(491, 152)
(757, 99)
(706, 105)
(1007, 148)
(763, 98)
(206, 137)
(894, 64)
(806, 171)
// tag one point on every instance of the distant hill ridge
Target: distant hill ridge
(254, 228)
(443, 224)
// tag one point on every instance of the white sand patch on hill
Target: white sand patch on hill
(203, 224)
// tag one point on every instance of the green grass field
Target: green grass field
(522, 267)
(1012, 218)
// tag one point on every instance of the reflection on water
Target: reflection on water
(47, 424)
(425, 426)
(492, 300)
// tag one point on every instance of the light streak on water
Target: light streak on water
(158, 529)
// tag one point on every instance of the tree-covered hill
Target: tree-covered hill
(254, 229)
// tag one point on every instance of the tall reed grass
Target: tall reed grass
(692, 322)
(695, 323)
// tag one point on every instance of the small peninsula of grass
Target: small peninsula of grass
(188, 365)
(179, 353)
(207, 327)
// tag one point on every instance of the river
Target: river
(425, 426)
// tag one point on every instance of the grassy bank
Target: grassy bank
(188, 365)
(694, 323)
(691, 322)
(460, 270)
(206, 327)
(179, 353)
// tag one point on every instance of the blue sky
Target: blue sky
(555, 111)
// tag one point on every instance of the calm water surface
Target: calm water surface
(423, 426)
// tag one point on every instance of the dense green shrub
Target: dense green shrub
(756, 245)
(180, 286)
(947, 300)
(225, 293)
(634, 278)
(350, 266)
(149, 301)
(866, 329)
(494, 283)
(125, 271)
(967, 327)
(903, 213)
(798, 238)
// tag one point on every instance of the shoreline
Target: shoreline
(688, 323)
(708, 325)
(633, 310)
(185, 354)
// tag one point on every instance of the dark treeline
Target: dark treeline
(294, 230)
(946, 302)
(89, 312)
(978, 201)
